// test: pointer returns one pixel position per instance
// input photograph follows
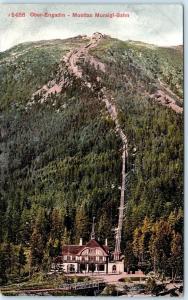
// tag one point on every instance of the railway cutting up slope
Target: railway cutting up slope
(72, 60)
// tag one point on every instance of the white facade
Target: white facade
(110, 268)
(116, 267)
(90, 258)
(75, 268)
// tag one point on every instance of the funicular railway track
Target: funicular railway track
(72, 59)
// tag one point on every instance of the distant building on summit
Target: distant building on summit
(97, 36)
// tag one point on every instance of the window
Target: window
(99, 252)
(92, 251)
(71, 268)
(85, 252)
(92, 267)
(82, 267)
(92, 258)
(101, 268)
(114, 269)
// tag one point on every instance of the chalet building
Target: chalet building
(92, 257)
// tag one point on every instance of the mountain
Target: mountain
(62, 104)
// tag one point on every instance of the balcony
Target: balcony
(85, 259)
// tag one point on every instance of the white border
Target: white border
(185, 5)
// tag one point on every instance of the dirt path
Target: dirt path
(166, 97)
(112, 278)
(165, 86)
(72, 59)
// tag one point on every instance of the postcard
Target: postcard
(91, 149)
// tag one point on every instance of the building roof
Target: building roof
(72, 249)
(76, 249)
(96, 244)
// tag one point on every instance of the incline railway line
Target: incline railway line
(71, 60)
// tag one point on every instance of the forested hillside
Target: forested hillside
(60, 159)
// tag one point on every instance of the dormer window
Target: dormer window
(92, 251)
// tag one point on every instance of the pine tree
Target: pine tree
(56, 224)
(82, 224)
(138, 244)
(3, 264)
(104, 229)
(38, 239)
(177, 255)
(21, 259)
(37, 248)
(159, 246)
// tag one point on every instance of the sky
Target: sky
(159, 24)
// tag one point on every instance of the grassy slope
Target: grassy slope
(26, 67)
(157, 62)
